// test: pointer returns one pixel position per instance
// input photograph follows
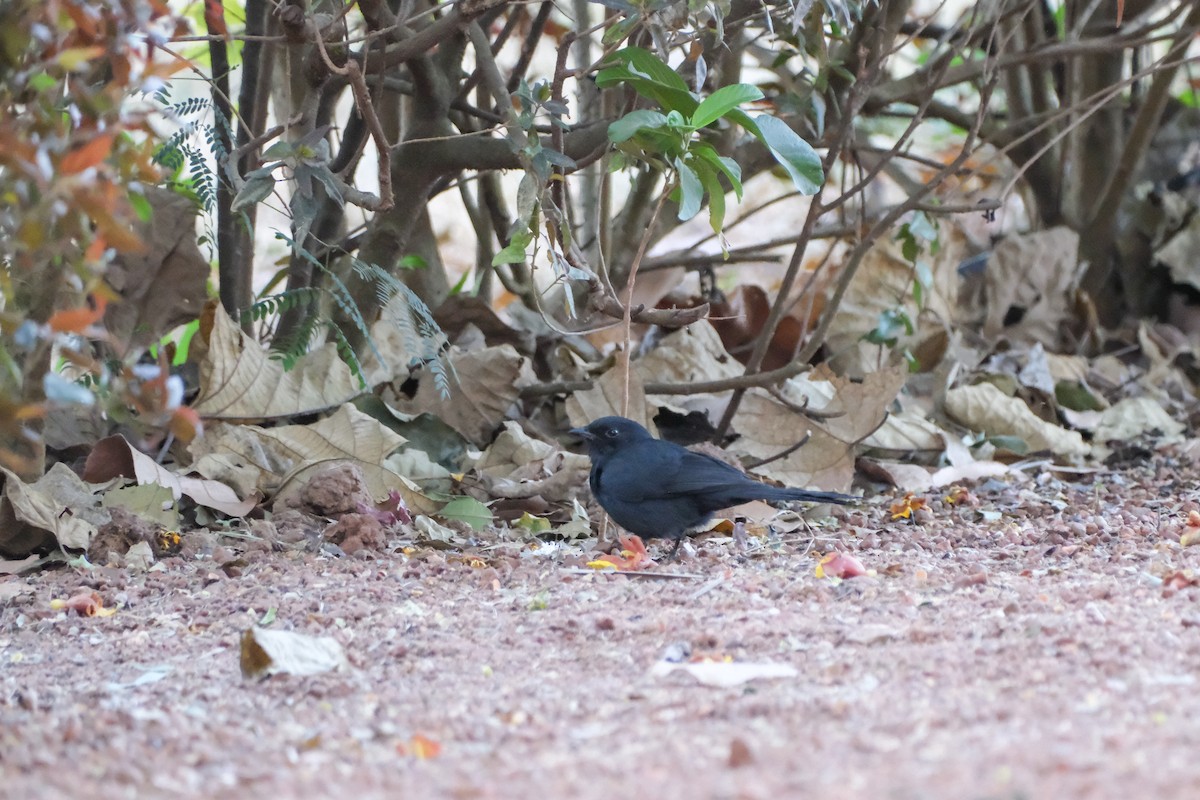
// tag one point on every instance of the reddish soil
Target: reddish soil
(1046, 650)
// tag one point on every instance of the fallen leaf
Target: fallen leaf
(725, 674)
(840, 565)
(633, 556)
(271, 652)
(985, 408)
(419, 747)
(114, 456)
(86, 604)
(905, 506)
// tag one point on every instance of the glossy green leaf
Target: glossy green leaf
(794, 154)
(254, 191)
(514, 253)
(724, 100)
(691, 190)
(468, 510)
(716, 194)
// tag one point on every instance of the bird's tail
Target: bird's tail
(783, 493)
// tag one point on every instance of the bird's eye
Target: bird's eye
(612, 433)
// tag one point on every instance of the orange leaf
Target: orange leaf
(86, 604)
(421, 747)
(905, 506)
(77, 320)
(840, 565)
(633, 556)
(185, 424)
(89, 155)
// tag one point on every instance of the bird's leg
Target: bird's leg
(671, 555)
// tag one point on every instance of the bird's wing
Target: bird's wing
(646, 471)
(698, 472)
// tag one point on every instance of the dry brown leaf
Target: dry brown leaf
(906, 477)
(59, 508)
(906, 432)
(267, 652)
(270, 460)
(239, 379)
(1035, 273)
(1134, 417)
(883, 281)
(688, 355)
(483, 387)
(113, 457)
(985, 408)
(164, 285)
(604, 399)
(768, 427)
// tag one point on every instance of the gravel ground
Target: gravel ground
(1034, 642)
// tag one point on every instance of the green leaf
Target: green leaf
(727, 166)
(892, 322)
(716, 194)
(645, 63)
(533, 524)
(141, 206)
(743, 119)
(514, 253)
(42, 82)
(527, 197)
(412, 261)
(692, 192)
(621, 29)
(722, 101)
(461, 285)
(278, 151)
(794, 154)
(650, 78)
(323, 174)
(1013, 444)
(468, 510)
(254, 191)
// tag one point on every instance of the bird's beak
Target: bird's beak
(582, 433)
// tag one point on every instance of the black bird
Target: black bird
(656, 488)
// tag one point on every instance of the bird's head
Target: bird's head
(608, 434)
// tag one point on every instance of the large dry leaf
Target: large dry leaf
(1181, 253)
(985, 408)
(689, 355)
(906, 432)
(883, 282)
(270, 460)
(510, 456)
(164, 284)
(768, 426)
(604, 399)
(114, 457)
(239, 379)
(1031, 276)
(860, 406)
(518, 466)
(1134, 417)
(58, 508)
(484, 385)
(149, 501)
